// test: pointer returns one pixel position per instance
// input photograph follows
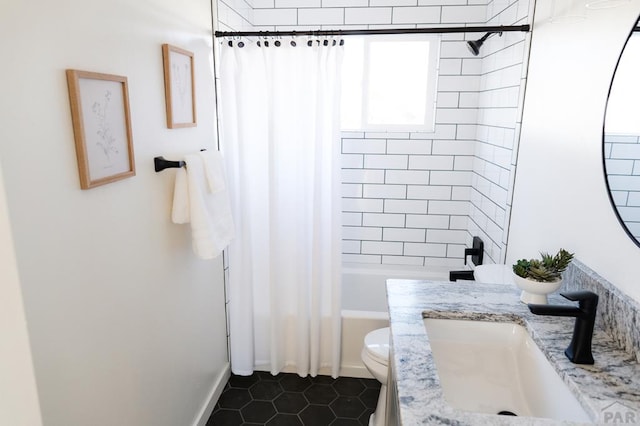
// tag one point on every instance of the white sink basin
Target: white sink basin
(493, 367)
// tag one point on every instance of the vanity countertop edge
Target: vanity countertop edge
(614, 378)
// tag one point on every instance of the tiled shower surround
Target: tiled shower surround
(406, 200)
(419, 198)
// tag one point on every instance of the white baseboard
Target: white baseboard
(214, 395)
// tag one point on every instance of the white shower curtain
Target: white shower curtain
(280, 137)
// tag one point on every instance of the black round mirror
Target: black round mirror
(621, 137)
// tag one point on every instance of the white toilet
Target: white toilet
(375, 356)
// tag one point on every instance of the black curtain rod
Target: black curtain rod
(378, 31)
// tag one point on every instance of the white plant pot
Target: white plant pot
(535, 291)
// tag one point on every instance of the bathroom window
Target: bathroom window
(389, 82)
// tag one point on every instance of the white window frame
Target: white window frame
(430, 97)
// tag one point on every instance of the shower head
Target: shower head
(474, 46)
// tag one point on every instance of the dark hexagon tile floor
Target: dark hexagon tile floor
(291, 400)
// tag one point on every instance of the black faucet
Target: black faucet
(579, 350)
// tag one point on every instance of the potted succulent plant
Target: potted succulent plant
(539, 277)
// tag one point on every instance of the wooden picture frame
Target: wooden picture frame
(101, 127)
(179, 86)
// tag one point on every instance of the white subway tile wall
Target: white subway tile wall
(415, 198)
(237, 15)
(622, 161)
(502, 79)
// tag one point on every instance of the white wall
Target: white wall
(126, 326)
(560, 195)
(18, 394)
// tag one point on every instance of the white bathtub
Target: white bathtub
(364, 306)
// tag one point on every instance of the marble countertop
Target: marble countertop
(614, 378)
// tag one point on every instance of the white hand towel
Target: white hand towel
(214, 169)
(180, 211)
(209, 213)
